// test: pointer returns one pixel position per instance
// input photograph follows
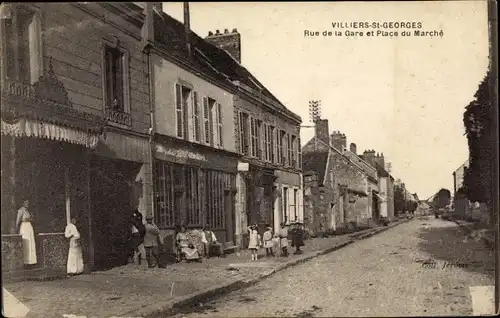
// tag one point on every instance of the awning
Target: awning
(39, 129)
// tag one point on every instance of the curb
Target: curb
(488, 242)
(172, 307)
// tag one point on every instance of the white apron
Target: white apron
(29, 245)
(75, 257)
(28, 236)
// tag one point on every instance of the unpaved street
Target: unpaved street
(384, 275)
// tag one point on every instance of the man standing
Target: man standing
(137, 237)
(151, 242)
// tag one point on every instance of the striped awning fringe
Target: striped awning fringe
(38, 129)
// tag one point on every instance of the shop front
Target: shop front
(194, 186)
(46, 147)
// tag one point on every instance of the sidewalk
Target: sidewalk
(478, 231)
(137, 291)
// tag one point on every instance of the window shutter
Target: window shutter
(206, 120)
(196, 117)
(178, 112)
(219, 125)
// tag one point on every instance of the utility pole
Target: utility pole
(314, 116)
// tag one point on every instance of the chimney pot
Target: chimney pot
(226, 31)
(210, 33)
(235, 30)
(217, 32)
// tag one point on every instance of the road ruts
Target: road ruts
(420, 268)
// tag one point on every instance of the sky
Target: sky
(403, 96)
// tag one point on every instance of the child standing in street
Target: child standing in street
(268, 241)
(254, 241)
(283, 239)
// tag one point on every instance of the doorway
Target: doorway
(112, 184)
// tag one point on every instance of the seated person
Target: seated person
(185, 248)
(212, 247)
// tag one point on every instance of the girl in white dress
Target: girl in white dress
(23, 223)
(254, 241)
(75, 257)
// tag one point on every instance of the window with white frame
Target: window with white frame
(254, 137)
(244, 132)
(294, 151)
(290, 150)
(196, 117)
(299, 154)
(260, 138)
(284, 212)
(284, 146)
(21, 36)
(296, 204)
(219, 125)
(182, 103)
(274, 151)
(212, 118)
(280, 151)
(268, 138)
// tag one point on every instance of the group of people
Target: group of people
(270, 240)
(24, 227)
(146, 241)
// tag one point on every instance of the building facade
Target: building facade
(194, 148)
(342, 194)
(374, 199)
(85, 153)
(269, 180)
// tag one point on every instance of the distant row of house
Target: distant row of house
(342, 186)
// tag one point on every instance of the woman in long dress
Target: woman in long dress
(23, 223)
(185, 246)
(75, 257)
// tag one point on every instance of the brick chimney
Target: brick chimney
(379, 159)
(228, 41)
(339, 140)
(353, 148)
(321, 130)
(369, 156)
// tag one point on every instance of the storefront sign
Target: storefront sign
(243, 166)
(180, 153)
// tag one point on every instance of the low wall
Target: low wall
(54, 251)
(12, 253)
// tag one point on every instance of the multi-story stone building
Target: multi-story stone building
(194, 144)
(373, 207)
(342, 194)
(75, 121)
(385, 184)
(269, 181)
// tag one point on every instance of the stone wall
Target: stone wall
(12, 253)
(54, 250)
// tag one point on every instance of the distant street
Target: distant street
(384, 275)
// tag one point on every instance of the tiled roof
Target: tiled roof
(315, 161)
(206, 57)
